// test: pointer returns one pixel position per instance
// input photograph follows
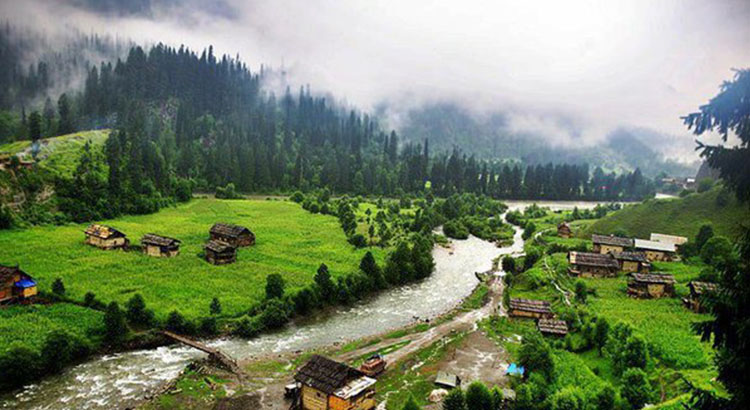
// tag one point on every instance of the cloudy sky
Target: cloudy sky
(572, 70)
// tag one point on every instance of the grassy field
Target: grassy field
(290, 241)
(59, 153)
(675, 216)
(29, 325)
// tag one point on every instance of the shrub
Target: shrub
(705, 233)
(175, 322)
(478, 397)
(115, 328)
(569, 398)
(455, 229)
(358, 240)
(532, 256)
(215, 307)
(454, 400)
(717, 251)
(536, 356)
(297, 197)
(274, 314)
(6, 217)
(581, 291)
(20, 366)
(227, 192)
(605, 399)
(274, 286)
(508, 264)
(635, 388)
(184, 190)
(705, 184)
(57, 351)
(208, 326)
(528, 230)
(247, 327)
(58, 288)
(410, 404)
(136, 312)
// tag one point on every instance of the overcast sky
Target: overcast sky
(591, 65)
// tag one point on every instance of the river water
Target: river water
(121, 380)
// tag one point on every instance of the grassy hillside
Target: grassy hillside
(59, 153)
(682, 216)
(290, 241)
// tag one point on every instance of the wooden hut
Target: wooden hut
(528, 308)
(234, 235)
(15, 284)
(105, 237)
(610, 243)
(587, 264)
(220, 253)
(552, 327)
(632, 261)
(157, 245)
(327, 384)
(563, 230)
(654, 285)
(697, 290)
(656, 251)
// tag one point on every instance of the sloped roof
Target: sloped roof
(230, 230)
(530, 305)
(553, 326)
(7, 271)
(654, 245)
(447, 379)
(103, 231)
(593, 259)
(158, 240)
(631, 256)
(326, 375)
(563, 225)
(653, 278)
(218, 246)
(612, 240)
(660, 237)
(700, 287)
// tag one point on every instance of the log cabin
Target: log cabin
(632, 261)
(610, 243)
(592, 265)
(105, 237)
(651, 285)
(552, 327)
(220, 253)
(235, 235)
(656, 251)
(327, 384)
(15, 285)
(697, 291)
(564, 231)
(161, 246)
(530, 309)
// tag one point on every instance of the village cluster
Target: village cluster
(19, 287)
(610, 256)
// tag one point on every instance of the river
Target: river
(122, 380)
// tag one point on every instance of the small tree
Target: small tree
(208, 326)
(478, 397)
(136, 312)
(325, 284)
(215, 307)
(605, 399)
(705, 233)
(175, 322)
(57, 351)
(717, 252)
(89, 299)
(411, 404)
(635, 388)
(636, 353)
(536, 356)
(58, 288)
(274, 286)
(509, 264)
(20, 366)
(274, 314)
(454, 400)
(581, 291)
(601, 333)
(115, 328)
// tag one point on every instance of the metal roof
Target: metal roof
(660, 237)
(654, 245)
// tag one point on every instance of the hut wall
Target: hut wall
(630, 266)
(158, 251)
(28, 292)
(6, 292)
(594, 272)
(658, 256)
(605, 249)
(105, 243)
(656, 290)
(313, 399)
(527, 314)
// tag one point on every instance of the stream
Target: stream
(122, 380)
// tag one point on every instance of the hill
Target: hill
(61, 153)
(683, 216)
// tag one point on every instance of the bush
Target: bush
(215, 307)
(227, 192)
(717, 251)
(136, 312)
(635, 388)
(528, 230)
(478, 397)
(176, 322)
(454, 400)
(274, 286)
(358, 240)
(705, 184)
(115, 328)
(297, 197)
(536, 356)
(6, 217)
(58, 288)
(274, 314)
(20, 365)
(184, 190)
(581, 291)
(247, 327)
(569, 398)
(508, 264)
(455, 229)
(208, 326)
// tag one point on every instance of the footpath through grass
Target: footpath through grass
(290, 241)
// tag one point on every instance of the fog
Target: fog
(571, 71)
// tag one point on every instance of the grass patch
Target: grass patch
(290, 241)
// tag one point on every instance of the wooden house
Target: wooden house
(15, 284)
(234, 235)
(697, 291)
(610, 243)
(632, 261)
(220, 253)
(654, 285)
(587, 264)
(564, 231)
(656, 251)
(552, 327)
(528, 308)
(105, 237)
(156, 245)
(327, 384)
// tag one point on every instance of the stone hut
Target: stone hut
(610, 243)
(529, 308)
(564, 231)
(15, 284)
(105, 237)
(552, 327)
(327, 384)
(220, 253)
(235, 235)
(656, 251)
(157, 245)
(632, 261)
(587, 265)
(648, 286)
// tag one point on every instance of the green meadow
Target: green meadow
(290, 241)
(60, 153)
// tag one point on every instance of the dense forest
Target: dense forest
(188, 121)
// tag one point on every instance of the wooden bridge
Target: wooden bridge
(214, 354)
